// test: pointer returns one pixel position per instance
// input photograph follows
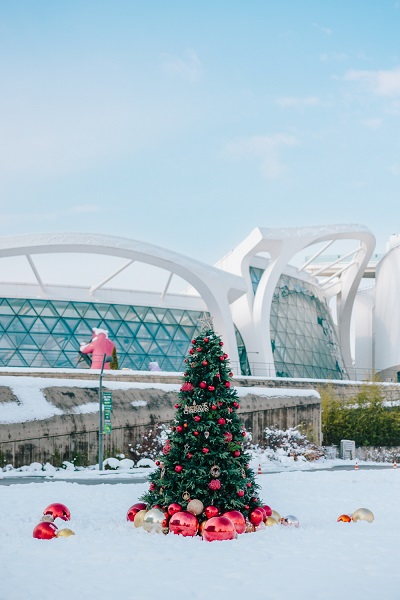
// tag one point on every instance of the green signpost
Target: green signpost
(107, 403)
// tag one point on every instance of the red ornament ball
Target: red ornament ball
(183, 523)
(198, 349)
(205, 451)
(152, 487)
(134, 509)
(193, 342)
(206, 340)
(227, 384)
(191, 351)
(236, 453)
(197, 418)
(45, 531)
(176, 405)
(179, 428)
(214, 485)
(202, 385)
(211, 511)
(256, 517)
(58, 510)
(237, 519)
(196, 433)
(211, 388)
(178, 468)
(218, 529)
(267, 510)
(240, 493)
(221, 358)
(221, 343)
(228, 437)
(221, 421)
(204, 363)
(174, 508)
(213, 407)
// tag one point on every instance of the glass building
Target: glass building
(303, 336)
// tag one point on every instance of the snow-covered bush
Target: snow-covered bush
(151, 443)
(279, 443)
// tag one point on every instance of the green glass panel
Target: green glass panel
(92, 313)
(16, 326)
(71, 312)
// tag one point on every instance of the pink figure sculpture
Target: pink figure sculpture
(98, 347)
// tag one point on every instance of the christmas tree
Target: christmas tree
(203, 459)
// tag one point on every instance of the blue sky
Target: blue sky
(187, 124)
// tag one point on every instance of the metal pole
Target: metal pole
(101, 416)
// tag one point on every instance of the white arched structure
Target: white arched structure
(251, 312)
(215, 287)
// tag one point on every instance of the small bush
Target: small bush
(365, 418)
(151, 443)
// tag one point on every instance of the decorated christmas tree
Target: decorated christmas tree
(203, 468)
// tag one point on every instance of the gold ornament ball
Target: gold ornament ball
(153, 520)
(65, 533)
(363, 514)
(275, 515)
(270, 521)
(249, 527)
(195, 507)
(139, 518)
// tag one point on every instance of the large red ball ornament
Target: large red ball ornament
(211, 388)
(178, 468)
(236, 453)
(197, 418)
(183, 523)
(211, 511)
(240, 493)
(179, 428)
(58, 510)
(219, 528)
(221, 421)
(256, 517)
(227, 384)
(206, 340)
(267, 510)
(174, 508)
(45, 531)
(134, 509)
(202, 385)
(237, 519)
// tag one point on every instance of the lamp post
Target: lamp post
(106, 359)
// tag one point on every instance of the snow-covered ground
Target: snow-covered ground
(109, 558)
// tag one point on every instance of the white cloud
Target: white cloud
(395, 169)
(381, 83)
(325, 56)
(298, 102)
(325, 30)
(266, 149)
(188, 68)
(372, 123)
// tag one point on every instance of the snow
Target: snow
(32, 405)
(109, 557)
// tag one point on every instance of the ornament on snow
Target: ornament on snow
(195, 507)
(344, 519)
(256, 517)
(219, 528)
(153, 520)
(275, 515)
(133, 511)
(290, 520)
(45, 531)
(270, 521)
(184, 523)
(237, 519)
(64, 532)
(139, 518)
(363, 514)
(58, 511)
